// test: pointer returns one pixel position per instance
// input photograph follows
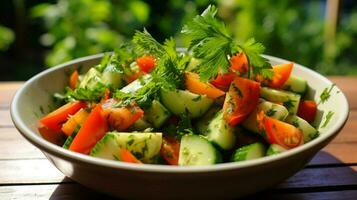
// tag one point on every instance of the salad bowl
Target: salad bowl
(132, 181)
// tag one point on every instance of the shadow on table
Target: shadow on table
(325, 177)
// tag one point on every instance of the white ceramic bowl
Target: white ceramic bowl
(227, 180)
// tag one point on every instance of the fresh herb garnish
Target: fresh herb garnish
(270, 112)
(212, 44)
(327, 118)
(326, 93)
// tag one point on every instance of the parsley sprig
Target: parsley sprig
(213, 45)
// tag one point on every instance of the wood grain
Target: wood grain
(32, 171)
(7, 91)
(5, 119)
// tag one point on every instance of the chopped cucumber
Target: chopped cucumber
(144, 146)
(220, 133)
(156, 114)
(90, 79)
(296, 84)
(113, 77)
(196, 150)
(273, 110)
(183, 101)
(137, 84)
(202, 124)
(275, 149)
(249, 152)
(70, 138)
(308, 130)
(140, 125)
(288, 99)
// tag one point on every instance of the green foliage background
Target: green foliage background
(294, 30)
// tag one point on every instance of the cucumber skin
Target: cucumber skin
(251, 123)
(290, 100)
(275, 149)
(245, 152)
(202, 124)
(108, 147)
(217, 155)
(308, 130)
(220, 133)
(182, 101)
(296, 84)
(156, 114)
(70, 138)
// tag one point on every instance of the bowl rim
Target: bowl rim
(58, 151)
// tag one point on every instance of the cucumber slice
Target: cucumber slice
(249, 152)
(275, 149)
(307, 129)
(273, 110)
(90, 79)
(197, 151)
(113, 77)
(220, 133)
(183, 101)
(296, 84)
(140, 125)
(136, 85)
(290, 100)
(156, 114)
(202, 124)
(70, 138)
(145, 146)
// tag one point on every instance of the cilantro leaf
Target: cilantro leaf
(326, 93)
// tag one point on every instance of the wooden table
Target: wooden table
(26, 174)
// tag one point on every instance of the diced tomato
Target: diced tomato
(241, 99)
(77, 119)
(92, 130)
(195, 85)
(281, 75)
(282, 133)
(106, 95)
(55, 119)
(73, 80)
(170, 150)
(146, 63)
(126, 156)
(121, 118)
(307, 110)
(51, 135)
(134, 76)
(239, 63)
(223, 81)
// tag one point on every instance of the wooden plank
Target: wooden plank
(29, 171)
(5, 118)
(7, 91)
(54, 192)
(348, 86)
(14, 146)
(329, 195)
(322, 177)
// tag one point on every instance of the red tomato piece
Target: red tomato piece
(281, 75)
(73, 80)
(92, 130)
(307, 110)
(241, 99)
(282, 133)
(239, 63)
(146, 63)
(170, 150)
(55, 119)
(223, 81)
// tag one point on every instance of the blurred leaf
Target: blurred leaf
(6, 37)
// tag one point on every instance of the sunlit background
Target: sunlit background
(35, 34)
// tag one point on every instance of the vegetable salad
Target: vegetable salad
(219, 101)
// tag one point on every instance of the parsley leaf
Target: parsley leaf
(327, 118)
(326, 93)
(213, 45)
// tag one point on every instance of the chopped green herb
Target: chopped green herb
(326, 93)
(237, 90)
(270, 112)
(199, 97)
(327, 118)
